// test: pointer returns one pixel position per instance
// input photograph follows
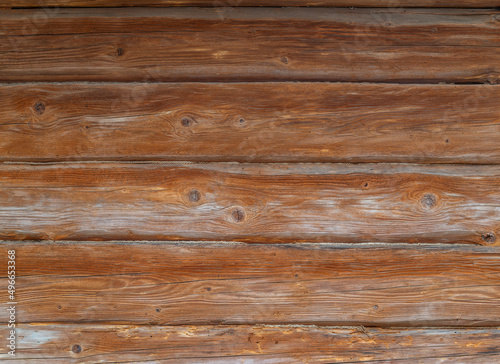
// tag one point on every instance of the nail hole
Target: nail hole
(186, 121)
(284, 60)
(39, 107)
(447, 140)
(76, 349)
(429, 200)
(209, 289)
(489, 238)
(434, 30)
(242, 121)
(158, 309)
(120, 52)
(58, 307)
(366, 184)
(194, 195)
(238, 215)
(375, 307)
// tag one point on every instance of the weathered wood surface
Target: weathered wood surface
(227, 3)
(251, 202)
(228, 283)
(250, 44)
(250, 344)
(264, 122)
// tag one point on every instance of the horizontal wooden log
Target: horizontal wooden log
(226, 3)
(229, 283)
(250, 44)
(263, 122)
(249, 344)
(251, 202)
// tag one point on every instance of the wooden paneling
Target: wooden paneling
(251, 202)
(265, 122)
(229, 283)
(188, 171)
(251, 344)
(227, 3)
(250, 44)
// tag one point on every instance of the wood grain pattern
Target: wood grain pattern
(250, 44)
(127, 192)
(251, 122)
(227, 3)
(256, 202)
(250, 344)
(229, 283)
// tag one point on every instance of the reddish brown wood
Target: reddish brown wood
(219, 301)
(265, 122)
(251, 344)
(250, 44)
(227, 3)
(251, 202)
(207, 283)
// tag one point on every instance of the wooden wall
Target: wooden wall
(193, 181)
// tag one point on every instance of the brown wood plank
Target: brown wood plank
(250, 344)
(226, 3)
(251, 202)
(250, 44)
(229, 283)
(251, 122)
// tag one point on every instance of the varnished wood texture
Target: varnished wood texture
(251, 344)
(263, 122)
(250, 44)
(251, 202)
(232, 3)
(229, 283)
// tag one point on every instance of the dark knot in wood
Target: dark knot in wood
(238, 215)
(429, 200)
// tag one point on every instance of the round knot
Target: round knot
(194, 195)
(238, 215)
(39, 107)
(428, 200)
